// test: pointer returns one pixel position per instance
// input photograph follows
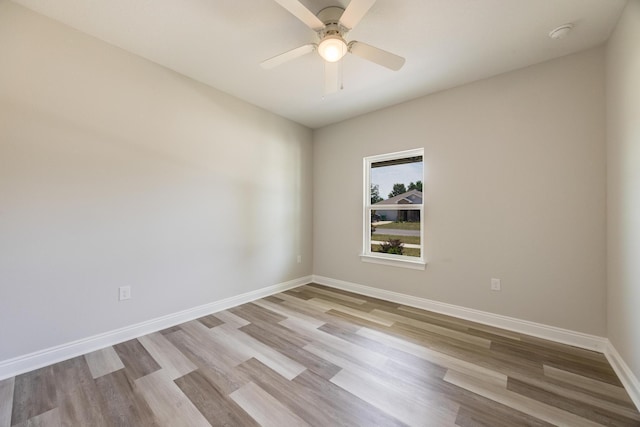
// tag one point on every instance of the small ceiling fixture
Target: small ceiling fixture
(561, 32)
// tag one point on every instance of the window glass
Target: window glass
(394, 206)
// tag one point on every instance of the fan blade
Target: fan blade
(374, 54)
(298, 10)
(354, 12)
(288, 56)
(331, 77)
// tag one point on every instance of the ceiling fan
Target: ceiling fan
(331, 25)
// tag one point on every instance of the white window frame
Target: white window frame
(367, 255)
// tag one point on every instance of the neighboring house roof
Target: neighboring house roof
(411, 197)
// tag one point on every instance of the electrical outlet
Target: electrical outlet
(299, 259)
(495, 285)
(124, 292)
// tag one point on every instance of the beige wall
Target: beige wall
(115, 171)
(515, 189)
(623, 187)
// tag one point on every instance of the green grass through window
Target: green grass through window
(400, 225)
(414, 240)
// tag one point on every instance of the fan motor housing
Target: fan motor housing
(330, 16)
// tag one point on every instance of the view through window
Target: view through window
(394, 206)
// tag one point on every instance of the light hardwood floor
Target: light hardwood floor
(323, 357)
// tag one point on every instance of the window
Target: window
(393, 209)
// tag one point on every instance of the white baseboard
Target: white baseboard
(628, 379)
(552, 333)
(38, 359)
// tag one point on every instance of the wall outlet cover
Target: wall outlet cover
(124, 292)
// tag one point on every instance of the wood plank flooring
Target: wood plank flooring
(316, 356)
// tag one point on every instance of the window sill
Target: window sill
(418, 264)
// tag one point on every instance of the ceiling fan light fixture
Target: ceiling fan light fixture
(332, 48)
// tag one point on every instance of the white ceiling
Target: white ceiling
(446, 43)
